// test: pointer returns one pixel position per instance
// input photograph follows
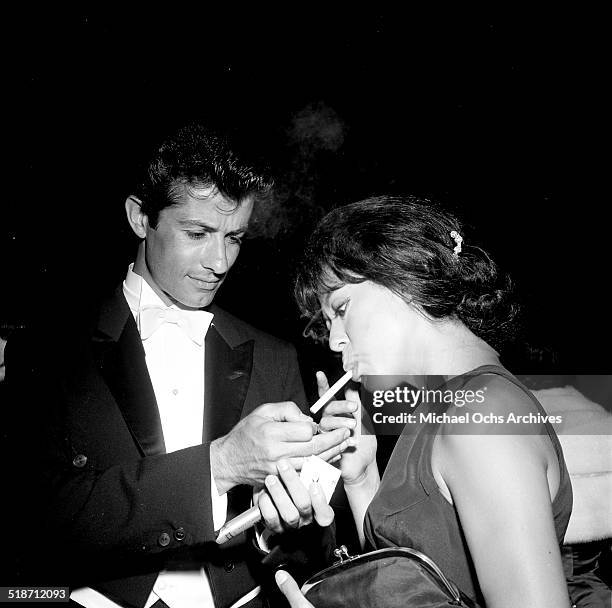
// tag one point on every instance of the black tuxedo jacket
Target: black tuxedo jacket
(110, 507)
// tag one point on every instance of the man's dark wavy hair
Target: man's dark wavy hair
(405, 245)
(197, 157)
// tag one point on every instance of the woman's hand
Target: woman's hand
(358, 462)
(348, 413)
(287, 503)
(291, 591)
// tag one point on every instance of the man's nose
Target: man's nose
(214, 256)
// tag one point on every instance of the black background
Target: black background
(498, 117)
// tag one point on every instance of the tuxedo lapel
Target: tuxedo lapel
(121, 359)
(227, 377)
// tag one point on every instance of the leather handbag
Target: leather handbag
(396, 577)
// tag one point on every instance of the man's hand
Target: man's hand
(250, 451)
(291, 591)
(287, 503)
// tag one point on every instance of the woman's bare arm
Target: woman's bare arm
(499, 486)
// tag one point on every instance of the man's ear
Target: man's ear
(137, 219)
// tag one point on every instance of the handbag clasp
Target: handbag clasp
(342, 554)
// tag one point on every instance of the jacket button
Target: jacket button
(179, 534)
(79, 461)
(163, 539)
(228, 566)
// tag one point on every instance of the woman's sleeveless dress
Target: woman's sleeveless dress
(409, 511)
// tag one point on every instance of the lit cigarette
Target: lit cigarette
(330, 392)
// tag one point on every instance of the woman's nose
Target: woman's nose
(337, 337)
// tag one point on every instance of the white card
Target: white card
(316, 469)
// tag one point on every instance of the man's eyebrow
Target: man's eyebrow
(200, 224)
(196, 223)
(240, 230)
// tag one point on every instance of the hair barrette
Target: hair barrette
(458, 240)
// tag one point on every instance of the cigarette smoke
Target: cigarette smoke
(314, 134)
(315, 128)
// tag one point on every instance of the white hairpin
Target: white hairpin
(458, 240)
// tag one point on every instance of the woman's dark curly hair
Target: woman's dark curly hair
(405, 245)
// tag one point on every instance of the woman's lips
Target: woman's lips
(353, 367)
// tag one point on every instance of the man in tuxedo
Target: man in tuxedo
(154, 425)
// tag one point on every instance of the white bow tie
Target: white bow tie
(194, 323)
